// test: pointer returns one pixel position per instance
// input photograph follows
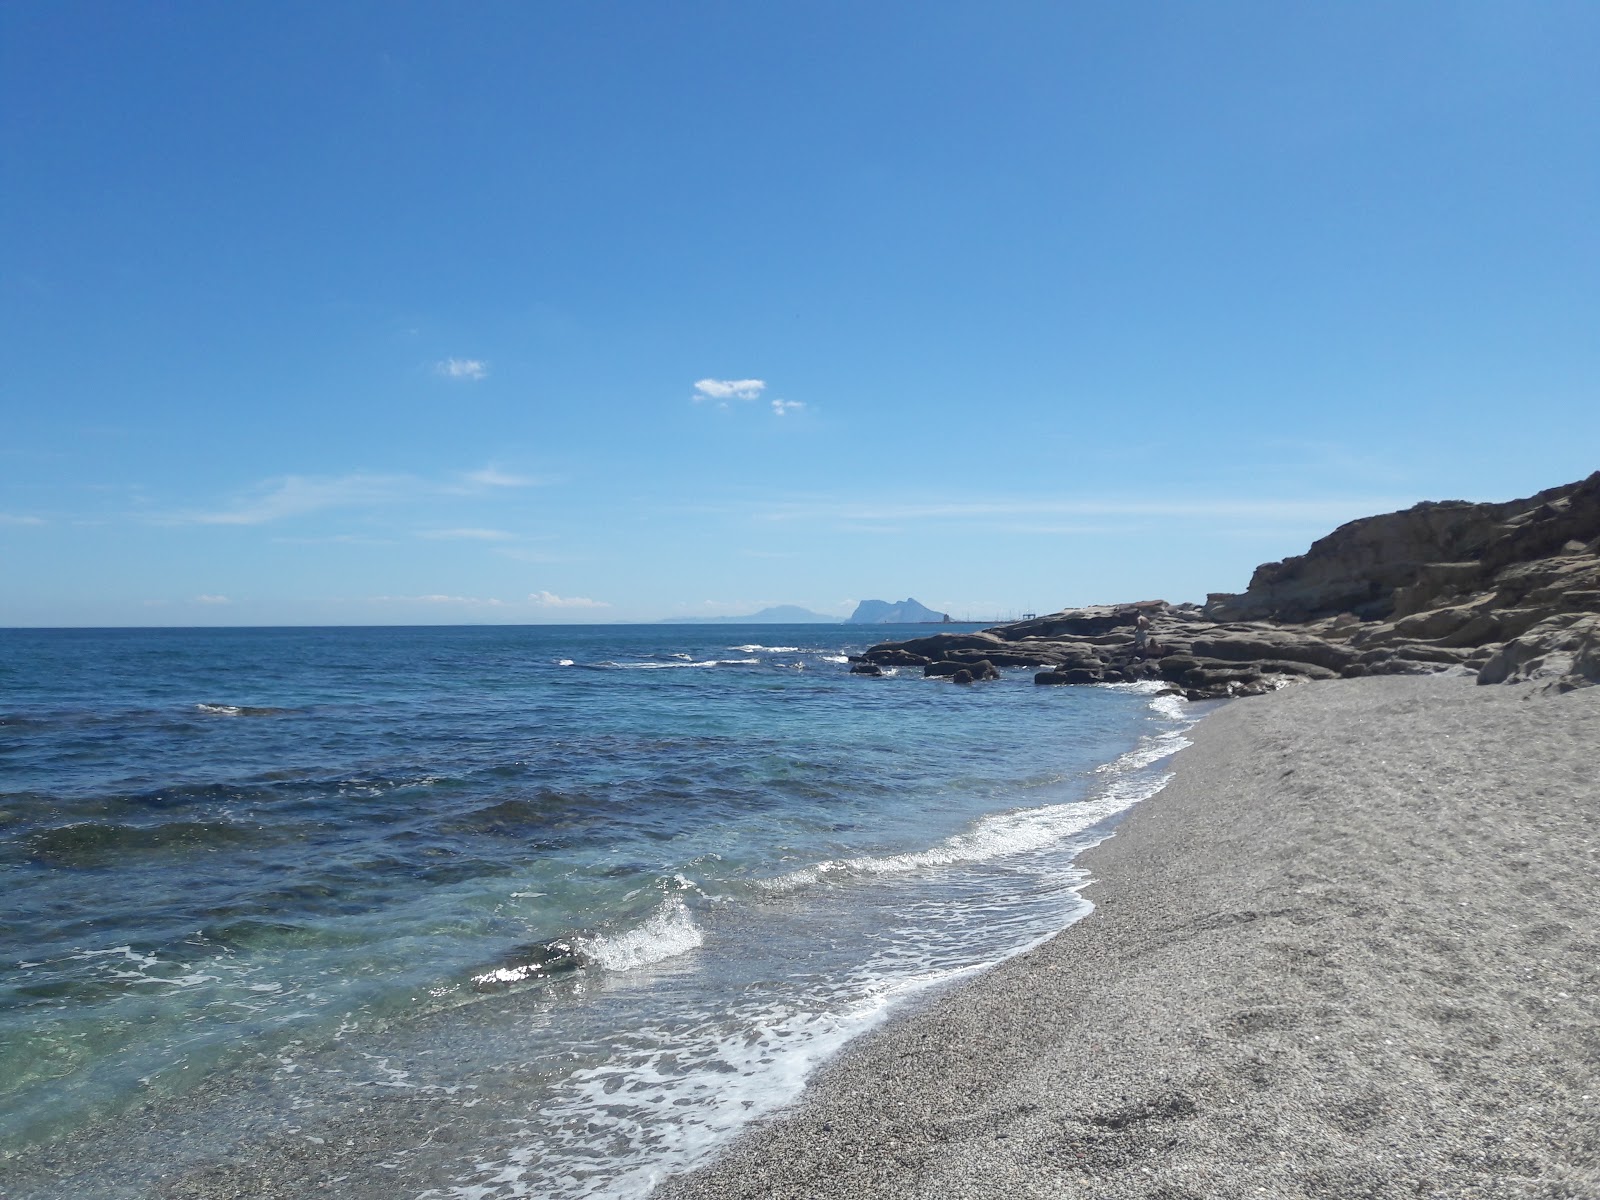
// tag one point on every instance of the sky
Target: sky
(400, 313)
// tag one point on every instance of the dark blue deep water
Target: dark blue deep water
(577, 902)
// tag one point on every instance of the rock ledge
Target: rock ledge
(1510, 592)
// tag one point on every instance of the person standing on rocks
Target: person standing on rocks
(1141, 635)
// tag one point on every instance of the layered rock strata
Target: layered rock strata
(1510, 592)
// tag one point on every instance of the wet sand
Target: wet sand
(1350, 951)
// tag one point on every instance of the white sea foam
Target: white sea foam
(671, 666)
(757, 649)
(565, 662)
(1143, 687)
(836, 658)
(668, 1096)
(1020, 831)
(668, 932)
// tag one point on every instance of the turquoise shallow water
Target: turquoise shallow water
(593, 897)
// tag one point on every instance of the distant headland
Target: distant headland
(868, 612)
(777, 614)
(905, 612)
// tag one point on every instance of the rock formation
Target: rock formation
(1509, 591)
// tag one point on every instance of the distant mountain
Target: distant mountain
(778, 614)
(906, 612)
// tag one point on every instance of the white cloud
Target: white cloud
(779, 407)
(551, 600)
(462, 368)
(208, 599)
(467, 535)
(9, 519)
(728, 389)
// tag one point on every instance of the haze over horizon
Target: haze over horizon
(387, 314)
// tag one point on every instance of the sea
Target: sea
(463, 913)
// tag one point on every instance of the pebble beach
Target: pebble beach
(1350, 951)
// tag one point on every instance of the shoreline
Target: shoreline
(1350, 950)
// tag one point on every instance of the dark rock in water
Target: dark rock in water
(525, 964)
(963, 672)
(1510, 591)
(866, 668)
(895, 657)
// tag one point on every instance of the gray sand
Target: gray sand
(1351, 951)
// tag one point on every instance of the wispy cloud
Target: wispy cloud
(535, 600)
(728, 389)
(524, 554)
(12, 519)
(210, 599)
(1276, 511)
(462, 368)
(493, 477)
(551, 600)
(334, 539)
(467, 535)
(298, 495)
(779, 407)
(440, 598)
(287, 496)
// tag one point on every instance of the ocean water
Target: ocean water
(494, 912)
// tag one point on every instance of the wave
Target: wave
(242, 710)
(1020, 831)
(668, 666)
(668, 932)
(537, 961)
(758, 649)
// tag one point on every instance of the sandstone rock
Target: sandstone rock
(1422, 558)
(1564, 651)
(1440, 586)
(1242, 645)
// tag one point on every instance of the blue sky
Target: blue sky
(404, 313)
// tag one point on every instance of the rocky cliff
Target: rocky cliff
(1509, 591)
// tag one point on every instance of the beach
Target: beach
(1349, 951)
